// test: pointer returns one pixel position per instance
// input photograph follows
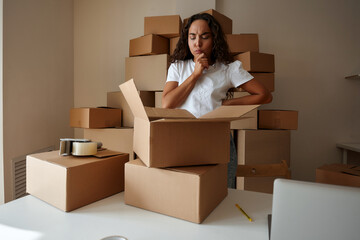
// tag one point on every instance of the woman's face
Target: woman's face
(200, 38)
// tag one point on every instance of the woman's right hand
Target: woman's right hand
(201, 63)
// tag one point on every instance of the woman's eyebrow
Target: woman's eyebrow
(205, 33)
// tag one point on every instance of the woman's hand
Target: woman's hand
(201, 63)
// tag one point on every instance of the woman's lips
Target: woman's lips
(198, 51)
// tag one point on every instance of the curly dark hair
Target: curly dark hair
(220, 51)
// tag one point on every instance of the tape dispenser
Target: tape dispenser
(78, 147)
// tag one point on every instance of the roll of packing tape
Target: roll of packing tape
(84, 148)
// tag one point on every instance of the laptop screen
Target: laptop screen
(304, 210)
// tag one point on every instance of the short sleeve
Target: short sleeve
(237, 74)
(173, 73)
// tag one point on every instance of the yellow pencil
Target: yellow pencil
(241, 210)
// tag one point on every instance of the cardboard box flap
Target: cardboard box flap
(157, 113)
(132, 97)
(229, 113)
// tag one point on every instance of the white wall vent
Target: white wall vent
(19, 173)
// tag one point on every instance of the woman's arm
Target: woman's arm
(173, 94)
(259, 95)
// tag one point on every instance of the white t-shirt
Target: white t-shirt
(211, 88)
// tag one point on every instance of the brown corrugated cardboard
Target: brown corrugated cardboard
(256, 62)
(69, 182)
(148, 72)
(117, 139)
(148, 45)
(339, 174)
(278, 119)
(239, 43)
(266, 79)
(224, 21)
(174, 137)
(166, 26)
(256, 184)
(173, 43)
(189, 193)
(158, 99)
(95, 117)
(117, 100)
(263, 146)
(250, 122)
(250, 118)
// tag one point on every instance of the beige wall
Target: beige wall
(38, 77)
(316, 44)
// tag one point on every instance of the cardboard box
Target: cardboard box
(249, 121)
(148, 72)
(263, 146)
(266, 79)
(116, 139)
(95, 117)
(148, 45)
(117, 100)
(166, 26)
(174, 137)
(158, 99)
(239, 43)
(189, 193)
(69, 182)
(224, 21)
(256, 184)
(173, 43)
(278, 119)
(339, 174)
(257, 62)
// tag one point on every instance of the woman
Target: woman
(202, 72)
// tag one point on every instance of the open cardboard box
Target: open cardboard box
(189, 193)
(174, 137)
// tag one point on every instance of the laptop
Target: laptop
(314, 211)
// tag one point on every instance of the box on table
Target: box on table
(116, 139)
(224, 21)
(239, 43)
(339, 174)
(256, 184)
(95, 117)
(263, 146)
(266, 79)
(166, 26)
(148, 45)
(278, 119)
(174, 137)
(148, 72)
(189, 193)
(256, 62)
(69, 182)
(173, 43)
(117, 100)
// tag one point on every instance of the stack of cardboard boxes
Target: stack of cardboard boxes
(178, 163)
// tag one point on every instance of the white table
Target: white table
(29, 218)
(355, 147)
